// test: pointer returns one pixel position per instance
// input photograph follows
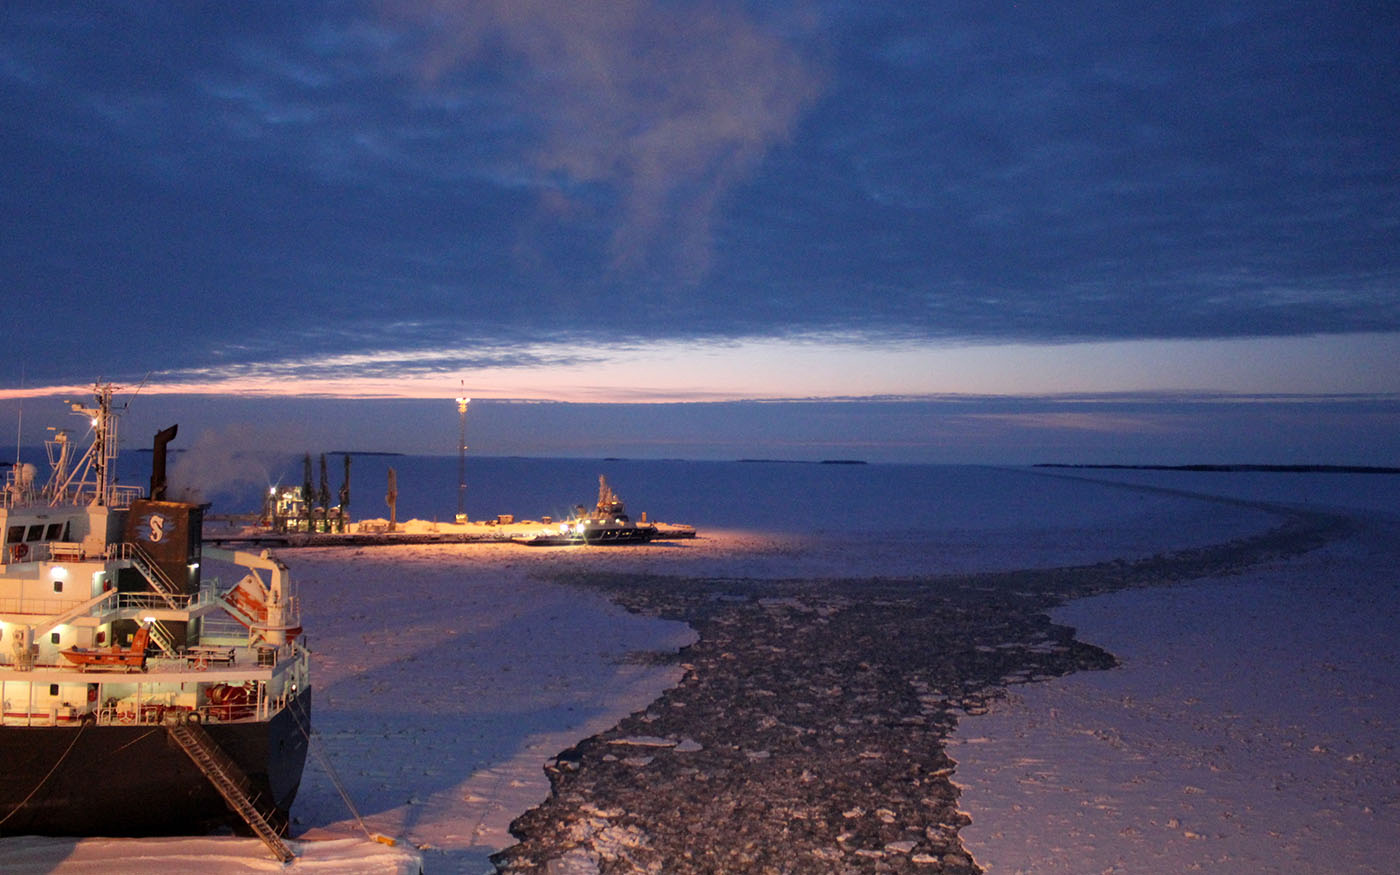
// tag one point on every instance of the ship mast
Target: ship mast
(93, 479)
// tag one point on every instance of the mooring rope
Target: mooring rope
(45, 779)
(313, 744)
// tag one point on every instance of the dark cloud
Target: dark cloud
(260, 181)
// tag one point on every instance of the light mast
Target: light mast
(462, 403)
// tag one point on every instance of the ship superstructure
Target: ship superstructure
(140, 697)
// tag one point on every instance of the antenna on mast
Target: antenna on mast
(19, 425)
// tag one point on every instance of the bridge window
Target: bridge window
(15, 535)
(54, 533)
(36, 532)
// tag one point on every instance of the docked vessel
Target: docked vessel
(608, 524)
(141, 696)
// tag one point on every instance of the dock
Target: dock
(371, 534)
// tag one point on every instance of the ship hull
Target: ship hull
(596, 535)
(136, 781)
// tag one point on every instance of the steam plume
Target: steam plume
(669, 104)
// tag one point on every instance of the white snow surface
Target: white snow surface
(33, 855)
(1250, 728)
(1250, 731)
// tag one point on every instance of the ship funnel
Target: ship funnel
(158, 462)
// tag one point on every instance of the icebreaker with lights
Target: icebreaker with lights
(140, 695)
(608, 525)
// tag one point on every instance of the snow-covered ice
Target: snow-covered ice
(227, 855)
(1258, 714)
(1250, 728)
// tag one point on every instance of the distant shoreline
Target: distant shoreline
(1276, 469)
(802, 461)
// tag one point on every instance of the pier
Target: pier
(375, 534)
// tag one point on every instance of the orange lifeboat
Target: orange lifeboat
(132, 658)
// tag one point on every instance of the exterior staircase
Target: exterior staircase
(230, 781)
(161, 635)
(157, 578)
(165, 588)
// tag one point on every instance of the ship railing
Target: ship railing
(293, 679)
(41, 551)
(156, 714)
(136, 601)
(120, 498)
(29, 605)
(151, 601)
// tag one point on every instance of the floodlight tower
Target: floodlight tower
(462, 403)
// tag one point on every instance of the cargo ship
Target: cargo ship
(141, 696)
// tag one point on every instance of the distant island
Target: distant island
(174, 450)
(1278, 469)
(803, 461)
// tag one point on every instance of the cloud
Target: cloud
(270, 188)
(666, 106)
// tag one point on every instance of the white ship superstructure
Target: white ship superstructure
(140, 696)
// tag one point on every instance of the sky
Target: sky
(944, 231)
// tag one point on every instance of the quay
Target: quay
(375, 533)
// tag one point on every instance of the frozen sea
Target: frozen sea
(447, 675)
(959, 517)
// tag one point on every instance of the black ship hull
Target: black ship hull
(137, 781)
(592, 533)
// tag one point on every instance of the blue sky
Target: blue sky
(1188, 213)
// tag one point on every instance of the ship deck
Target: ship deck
(200, 665)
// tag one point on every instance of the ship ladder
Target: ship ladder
(158, 579)
(230, 781)
(163, 638)
(313, 743)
